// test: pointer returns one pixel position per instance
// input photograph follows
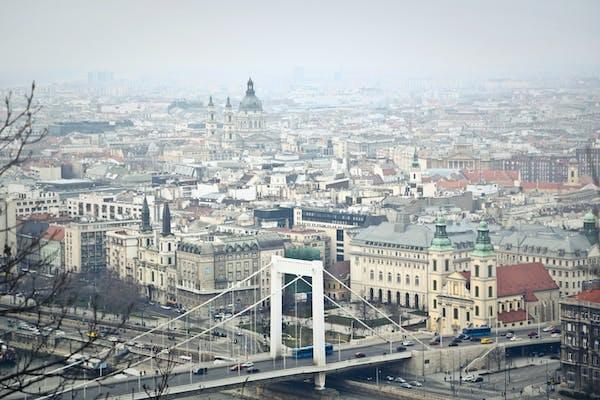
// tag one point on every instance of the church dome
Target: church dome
(589, 218)
(250, 102)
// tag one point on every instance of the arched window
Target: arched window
(372, 275)
(407, 279)
(380, 275)
(371, 294)
(407, 300)
(417, 280)
(389, 296)
(416, 301)
(477, 270)
(398, 278)
(398, 298)
(389, 276)
(380, 296)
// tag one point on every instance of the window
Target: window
(380, 275)
(456, 313)
(476, 291)
(468, 316)
(491, 311)
(447, 265)
(490, 292)
(416, 281)
(372, 275)
(434, 303)
(407, 279)
(398, 278)
(434, 284)
(389, 276)
(444, 312)
(477, 270)
(490, 270)
(476, 311)
(435, 265)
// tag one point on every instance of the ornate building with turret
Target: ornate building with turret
(246, 127)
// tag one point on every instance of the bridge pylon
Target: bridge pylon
(314, 269)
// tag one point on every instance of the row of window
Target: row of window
(407, 278)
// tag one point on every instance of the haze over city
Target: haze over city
(303, 200)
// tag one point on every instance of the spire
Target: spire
(415, 162)
(228, 104)
(440, 240)
(166, 221)
(483, 243)
(250, 90)
(210, 102)
(145, 227)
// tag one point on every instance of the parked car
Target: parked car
(200, 371)
(486, 341)
(400, 348)
(359, 355)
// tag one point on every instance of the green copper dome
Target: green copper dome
(483, 243)
(440, 241)
(589, 218)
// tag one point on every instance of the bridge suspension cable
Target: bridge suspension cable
(377, 310)
(84, 384)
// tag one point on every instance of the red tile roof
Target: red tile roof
(508, 317)
(54, 232)
(524, 279)
(592, 295)
(492, 176)
(466, 274)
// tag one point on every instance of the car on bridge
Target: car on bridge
(415, 384)
(406, 385)
(245, 365)
(399, 379)
(453, 344)
(252, 370)
(200, 371)
(400, 349)
(486, 341)
(359, 355)
(408, 343)
(533, 335)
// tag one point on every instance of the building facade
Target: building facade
(580, 341)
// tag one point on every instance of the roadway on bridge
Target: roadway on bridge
(182, 376)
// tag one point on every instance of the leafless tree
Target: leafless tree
(162, 376)
(42, 304)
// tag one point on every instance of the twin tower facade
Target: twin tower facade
(248, 119)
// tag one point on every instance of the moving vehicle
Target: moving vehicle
(533, 335)
(548, 328)
(453, 344)
(510, 334)
(200, 371)
(514, 338)
(416, 383)
(92, 334)
(435, 341)
(486, 341)
(478, 332)
(389, 378)
(400, 348)
(399, 380)
(252, 370)
(245, 365)
(408, 343)
(307, 351)
(472, 378)
(359, 355)
(406, 385)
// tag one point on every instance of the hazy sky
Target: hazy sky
(209, 41)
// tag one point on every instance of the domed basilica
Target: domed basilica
(247, 124)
